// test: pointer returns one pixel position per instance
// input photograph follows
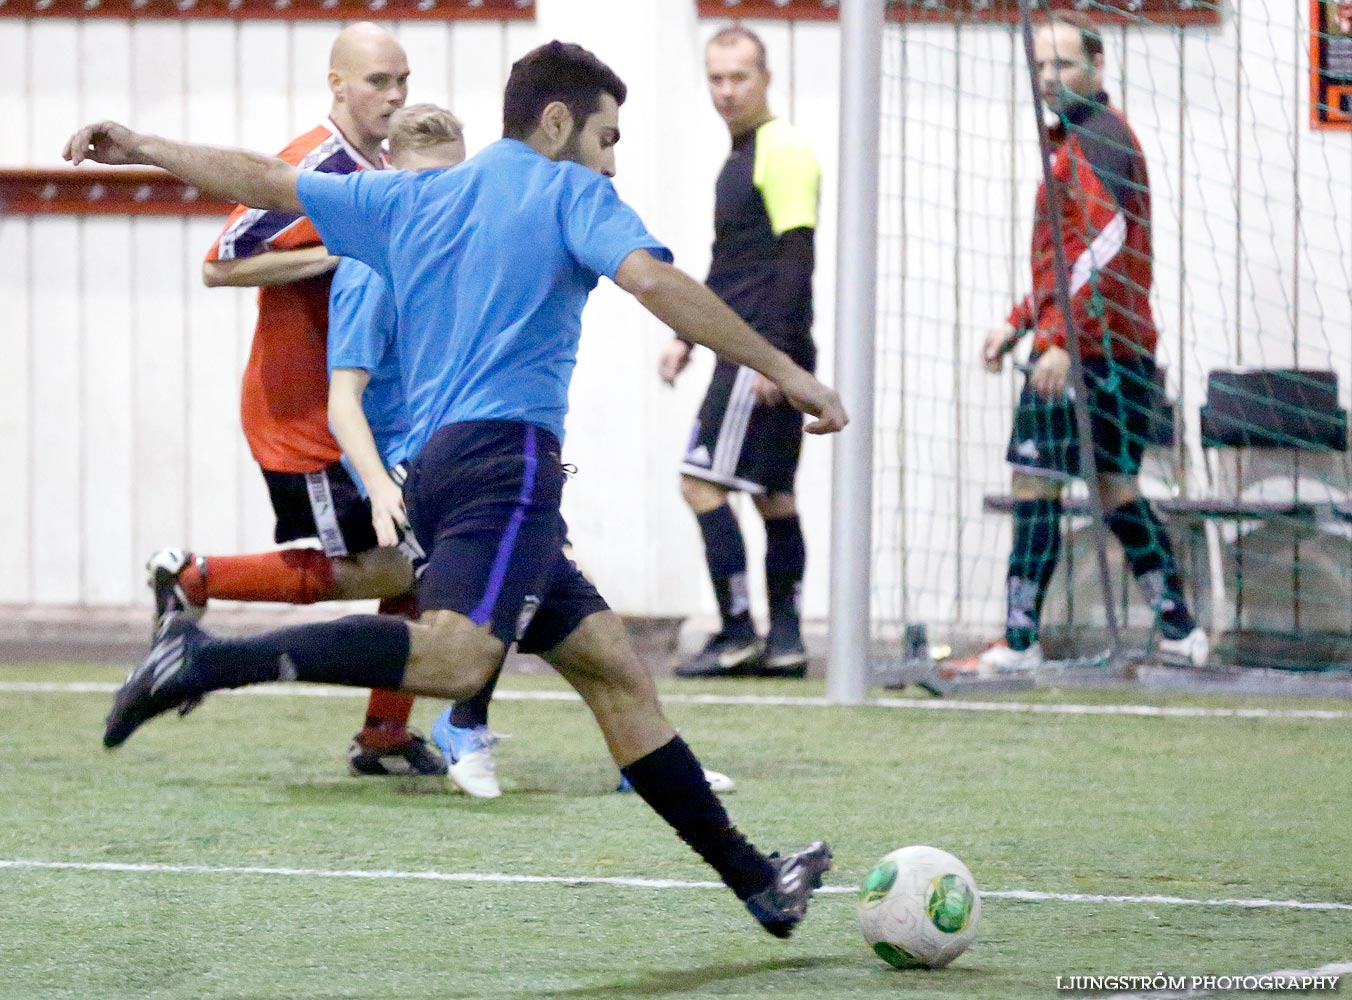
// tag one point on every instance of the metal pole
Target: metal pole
(861, 32)
(1088, 462)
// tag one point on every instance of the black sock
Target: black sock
(1032, 560)
(1152, 562)
(366, 651)
(725, 553)
(785, 558)
(473, 711)
(671, 781)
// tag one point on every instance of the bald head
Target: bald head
(368, 76)
(358, 43)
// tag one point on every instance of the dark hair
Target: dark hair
(1091, 33)
(559, 71)
(734, 33)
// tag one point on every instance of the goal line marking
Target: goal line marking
(1013, 895)
(789, 701)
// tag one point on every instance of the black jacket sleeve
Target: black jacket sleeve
(1114, 158)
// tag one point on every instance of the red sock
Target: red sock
(190, 579)
(387, 712)
(290, 576)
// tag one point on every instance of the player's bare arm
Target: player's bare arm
(701, 317)
(675, 356)
(351, 429)
(1051, 372)
(999, 342)
(272, 267)
(229, 174)
(766, 392)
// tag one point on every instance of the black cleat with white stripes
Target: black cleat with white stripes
(161, 681)
(782, 905)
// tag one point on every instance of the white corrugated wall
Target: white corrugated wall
(118, 425)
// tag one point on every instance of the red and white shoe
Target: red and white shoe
(997, 658)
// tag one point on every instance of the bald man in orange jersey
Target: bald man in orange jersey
(283, 404)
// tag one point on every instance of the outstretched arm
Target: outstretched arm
(271, 267)
(230, 174)
(701, 317)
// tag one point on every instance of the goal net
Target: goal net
(1242, 112)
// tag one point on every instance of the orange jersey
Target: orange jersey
(284, 397)
(1105, 231)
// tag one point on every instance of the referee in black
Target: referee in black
(746, 436)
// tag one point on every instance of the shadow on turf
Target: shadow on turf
(693, 981)
(434, 792)
(532, 799)
(677, 981)
(656, 985)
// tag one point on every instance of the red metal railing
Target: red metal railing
(1163, 12)
(126, 191)
(291, 10)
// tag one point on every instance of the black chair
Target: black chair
(1287, 408)
(1275, 443)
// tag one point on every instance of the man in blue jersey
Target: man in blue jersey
(490, 265)
(368, 414)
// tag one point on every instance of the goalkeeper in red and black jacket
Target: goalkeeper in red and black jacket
(1105, 225)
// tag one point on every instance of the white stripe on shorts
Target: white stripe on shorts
(731, 482)
(732, 431)
(325, 514)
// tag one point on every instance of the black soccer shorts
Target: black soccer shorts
(483, 499)
(1045, 441)
(325, 505)
(739, 443)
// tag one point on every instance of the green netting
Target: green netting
(1235, 425)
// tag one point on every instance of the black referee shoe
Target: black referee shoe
(725, 656)
(782, 905)
(785, 654)
(159, 683)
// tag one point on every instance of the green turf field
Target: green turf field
(1196, 808)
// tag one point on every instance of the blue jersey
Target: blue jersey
(361, 335)
(490, 264)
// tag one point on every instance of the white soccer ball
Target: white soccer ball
(919, 908)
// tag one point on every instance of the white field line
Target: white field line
(1014, 895)
(791, 701)
(1024, 896)
(1331, 970)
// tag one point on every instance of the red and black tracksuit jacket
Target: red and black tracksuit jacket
(1105, 224)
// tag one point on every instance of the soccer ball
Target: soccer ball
(919, 908)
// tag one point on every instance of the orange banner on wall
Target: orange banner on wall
(1331, 64)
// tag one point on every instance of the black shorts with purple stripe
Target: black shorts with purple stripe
(483, 499)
